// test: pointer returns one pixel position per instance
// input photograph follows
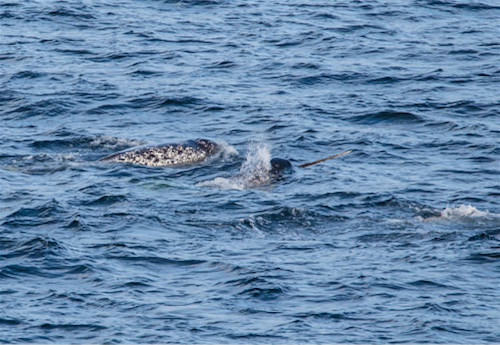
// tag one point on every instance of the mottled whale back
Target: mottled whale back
(189, 152)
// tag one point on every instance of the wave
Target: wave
(148, 101)
(472, 6)
(37, 247)
(388, 116)
(113, 143)
(107, 200)
(289, 222)
(49, 270)
(34, 216)
(64, 140)
(460, 213)
(40, 108)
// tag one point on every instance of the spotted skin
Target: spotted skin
(192, 151)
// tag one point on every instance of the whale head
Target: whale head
(207, 146)
(280, 166)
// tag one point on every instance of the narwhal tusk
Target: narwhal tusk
(324, 159)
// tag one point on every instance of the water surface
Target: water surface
(398, 241)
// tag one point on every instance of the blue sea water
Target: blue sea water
(398, 241)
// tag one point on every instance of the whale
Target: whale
(165, 155)
(189, 152)
(251, 174)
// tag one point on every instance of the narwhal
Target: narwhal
(191, 152)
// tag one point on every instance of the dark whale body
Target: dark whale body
(189, 152)
(280, 166)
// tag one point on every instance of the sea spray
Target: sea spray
(254, 171)
(257, 164)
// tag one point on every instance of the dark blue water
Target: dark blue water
(398, 241)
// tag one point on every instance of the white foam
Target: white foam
(463, 211)
(67, 157)
(254, 171)
(227, 151)
(258, 160)
(460, 212)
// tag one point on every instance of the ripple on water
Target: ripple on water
(389, 117)
(34, 216)
(35, 248)
(281, 221)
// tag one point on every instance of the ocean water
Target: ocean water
(398, 241)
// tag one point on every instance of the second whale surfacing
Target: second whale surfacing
(189, 152)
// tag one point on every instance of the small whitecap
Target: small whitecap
(463, 211)
(460, 212)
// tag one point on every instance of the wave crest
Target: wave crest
(460, 212)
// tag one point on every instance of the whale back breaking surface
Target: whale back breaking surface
(189, 152)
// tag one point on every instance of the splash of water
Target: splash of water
(257, 163)
(227, 151)
(253, 172)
